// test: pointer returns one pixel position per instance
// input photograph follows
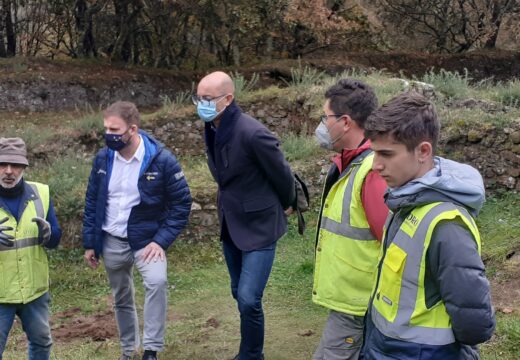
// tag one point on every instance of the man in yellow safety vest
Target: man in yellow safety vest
(27, 225)
(351, 220)
(431, 298)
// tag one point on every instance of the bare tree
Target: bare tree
(449, 25)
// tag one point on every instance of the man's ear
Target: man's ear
(347, 121)
(229, 99)
(134, 128)
(424, 151)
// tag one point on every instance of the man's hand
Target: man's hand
(289, 211)
(90, 258)
(5, 239)
(153, 251)
(44, 230)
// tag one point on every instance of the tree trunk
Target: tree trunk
(496, 20)
(9, 28)
(86, 45)
(269, 47)
(3, 52)
(236, 54)
(126, 24)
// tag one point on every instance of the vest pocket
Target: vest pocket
(387, 297)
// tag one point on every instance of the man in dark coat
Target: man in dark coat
(255, 193)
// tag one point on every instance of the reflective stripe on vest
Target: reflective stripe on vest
(344, 228)
(19, 244)
(40, 212)
(396, 308)
(38, 202)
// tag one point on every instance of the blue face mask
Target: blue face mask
(207, 110)
(115, 142)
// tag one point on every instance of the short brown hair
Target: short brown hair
(353, 98)
(125, 110)
(409, 118)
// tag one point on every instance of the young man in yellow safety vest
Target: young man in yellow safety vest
(431, 298)
(351, 220)
(27, 225)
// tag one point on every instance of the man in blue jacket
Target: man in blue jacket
(137, 203)
(431, 298)
(255, 193)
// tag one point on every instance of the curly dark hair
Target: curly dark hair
(352, 97)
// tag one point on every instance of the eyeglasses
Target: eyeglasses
(204, 100)
(324, 118)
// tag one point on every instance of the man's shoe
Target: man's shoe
(129, 357)
(149, 355)
(236, 357)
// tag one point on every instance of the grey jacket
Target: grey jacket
(455, 272)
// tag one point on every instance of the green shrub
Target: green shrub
(499, 227)
(90, 121)
(67, 178)
(298, 147)
(452, 84)
(33, 135)
(198, 176)
(243, 86)
(168, 105)
(386, 88)
(352, 73)
(305, 76)
(183, 97)
(509, 94)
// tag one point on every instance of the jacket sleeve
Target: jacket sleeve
(457, 268)
(177, 203)
(89, 214)
(266, 149)
(55, 228)
(373, 199)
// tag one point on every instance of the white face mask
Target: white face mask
(323, 136)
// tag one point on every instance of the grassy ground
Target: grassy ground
(203, 320)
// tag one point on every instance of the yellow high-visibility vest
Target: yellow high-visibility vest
(346, 250)
(24, 268)
(399, 305)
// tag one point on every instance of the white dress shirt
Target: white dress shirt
(123, 194)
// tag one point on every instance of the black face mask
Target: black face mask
(13, 192)
(115, 141)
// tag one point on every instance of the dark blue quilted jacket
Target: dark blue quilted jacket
(165, 199)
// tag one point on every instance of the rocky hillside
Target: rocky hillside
(36, 85)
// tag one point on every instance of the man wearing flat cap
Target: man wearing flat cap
(27, 224)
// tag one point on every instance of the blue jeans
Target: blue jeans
(249, 272)
(35, 322)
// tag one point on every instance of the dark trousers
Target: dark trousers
(35, 322)
(249, 272)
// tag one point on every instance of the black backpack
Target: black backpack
(302, 202)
